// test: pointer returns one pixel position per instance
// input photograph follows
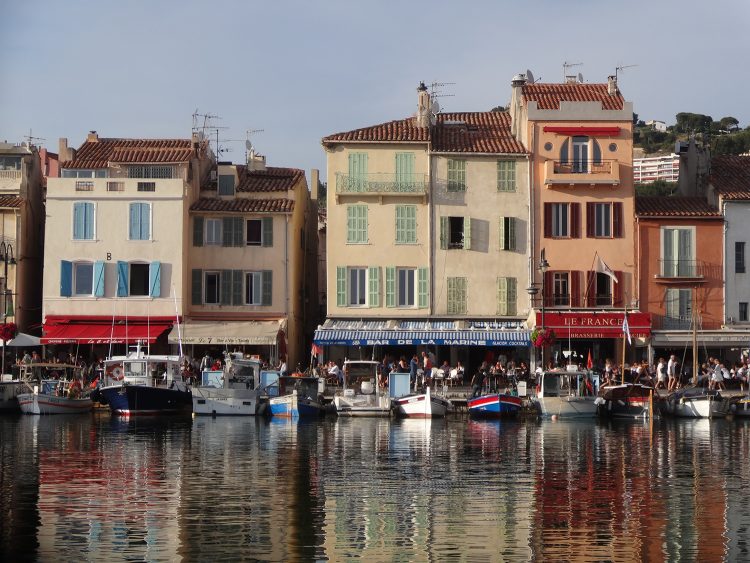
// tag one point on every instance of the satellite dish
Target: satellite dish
(529, 76)
(580, 78)
(248, 145)
(435, 107)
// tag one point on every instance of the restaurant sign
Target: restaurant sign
(587, 324)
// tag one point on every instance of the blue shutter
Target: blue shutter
(145, 221)
(99, 278)
(77, 221)
(66, 278)
(122, 279)
(135, 222)
(88, 231)
(154, 279)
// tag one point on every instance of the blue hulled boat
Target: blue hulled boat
(295, 397)
(495, 405)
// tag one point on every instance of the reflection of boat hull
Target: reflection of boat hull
(294, 406)
(9, 390)
(216, 402)
(41, 403)
(743, 407)
(698, 406)
(144, 399)
(626, 401)
(422, 405)
(494, 406)
(568, 407)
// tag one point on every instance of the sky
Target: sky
(298, 70)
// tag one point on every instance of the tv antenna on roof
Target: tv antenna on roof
(620, 68)
(566, 66)
(30, 138)
(203, 125)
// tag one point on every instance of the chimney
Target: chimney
(92, 137)
(64, 152)
(611, 85)
(517, 84)
(314, 181)
(423, 106)
(255, 161)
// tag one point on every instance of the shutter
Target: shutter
(399, 221)
(66, 278)
(225, 297)
(617, 225)
(671, 303)
(444, 232)
(685, 252)
(685, 302)
(575, 288)
(99, 278)
(390, 286)
(122, 279)
(502, 240)
(404, 170)
(340, 286)
(511, 233)
(237, 287)
(362, 224)
(374, 282)
(617, 289)
(547, 220)
(668, 266)
(267, 231)
(89, 221)
(197, 231)
(590, 218)
(135, 222)
(226, 231)
(575, 220)
(590, 289)
(197, 287)
(267, 298)
(78, 221)
(512, 295)
(467, 233)
(549, 289)
(502, 296)
(564, 151)
(154, 279)
(423, 288)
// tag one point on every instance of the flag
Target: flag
(626, 328)
(601, 267)
(590, 361)
(316, 350)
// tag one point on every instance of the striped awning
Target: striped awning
(327, 337)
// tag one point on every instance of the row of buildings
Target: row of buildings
(459, 233)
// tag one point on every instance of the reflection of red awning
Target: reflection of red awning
(99, 330)
(600, 324)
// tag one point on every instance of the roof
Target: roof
(101, 152)
(10, 201)
(272, 179)
(676, 206)
(730, 176)
(243, 205)
(468, 132)
(549, 96)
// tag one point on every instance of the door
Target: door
(580, 154)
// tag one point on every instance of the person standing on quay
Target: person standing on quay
(672, 373)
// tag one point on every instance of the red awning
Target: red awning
(600, 324)
(95, 330)
(592, 131)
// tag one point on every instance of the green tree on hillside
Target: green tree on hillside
(692, 122)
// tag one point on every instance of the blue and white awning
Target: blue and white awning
(390, 337)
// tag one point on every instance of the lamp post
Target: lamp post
(543, 267)
(6, 255)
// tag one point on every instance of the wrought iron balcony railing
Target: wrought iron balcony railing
(679, 269)
(381, 183)
(675, 323)
(583, 167)
(580, 172)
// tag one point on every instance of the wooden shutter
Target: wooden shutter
(122, 279)
(225, 297)
(575, 220)
(444, 232)
(267, 289)
(575, 288)
(512, 298)
(340, 286)
(99, 278)
(237, 231)
(467, 233)
(78, 221)
(617, 289)
(511, 233)
(154, 279)
(267, 231)
(590, 219)
(197, 287)
(549, 288)
(423, 288)
(590, 289)
(135, 222)
(617, 226)
(404, 170)
(197, 231)
(66, 278)
(390, 286)
(685, 253)
(227, 231)
(547, 220)
(237, 276)
(373, 280)
(502, 296)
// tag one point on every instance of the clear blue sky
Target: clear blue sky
(303, 69)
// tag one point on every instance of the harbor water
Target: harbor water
(99, 488)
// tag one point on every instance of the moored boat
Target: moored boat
(494, 405)
(55, 397)
(297, 397)
(422, 405)
(698, 402)
(566, 394)
(9, 390)
(361, 395)
(628, 400)
(232, 391)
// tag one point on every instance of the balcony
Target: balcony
(606, 172)
(382, 184)
(680, 270)
(10, 174)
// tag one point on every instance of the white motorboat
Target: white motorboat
(422, 405)
(361, 395)
(567, 394)
(9, 390)
(697, 402)
(55, 397)
(232, 391)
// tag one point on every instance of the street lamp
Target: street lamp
(543, 267)
(6, 255)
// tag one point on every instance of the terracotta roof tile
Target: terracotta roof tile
(243, 205)
(476, 132)
(676, 206)
(549, 96)
(272, 179)
(402, 130)
(98, 154)
(10, 201)
(730, 176)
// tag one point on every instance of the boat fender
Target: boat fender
(115, 371)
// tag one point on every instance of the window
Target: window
(506, 296)
(506, 176)
(213, 231)
(604, 220)
(146, 186)
(561, 288)
(743, 311)
(603, 289)
(357, 286)
(260, 232)
(507, 233)
(406, 287)
(560, 224)
(139, 274)
(404, 171)
(226, 184)
(84, 186)
(10, 162)
(358, 171)
(562, 220)
(136, 279)
(356, 224)
(584, 151)
(253, 288)
(83, 278)
(159, 172)
(83, 220)
(76, 173)
(406, 224)
(455, 232)
(678, 259)
(140, 221)
(739, 257)
(678, 306)
(115, 186)
(212, 286)
(456, 175)
(457, 296)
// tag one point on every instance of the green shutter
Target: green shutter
(362, 227)
(456, 296)
(511, 233)
(227, 229)
(512, 296)
(197, 231)
(502, 296)
(237, 231)
(374, 283)
(467, 233)
(456, 175)
(356, 224)
(444, 232)
(390, 286)
(404, 171)
(197, 287)
(506, 176)
(267, 289)
(340, 286)
(237, 287)
(400, 222)
(502, 238)
(267, 231)
(226, 287)
(358, 171)
(423, 288)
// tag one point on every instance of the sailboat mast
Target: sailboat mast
(624, 343)
(693, 321)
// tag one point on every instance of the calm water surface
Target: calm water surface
(101, 488)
